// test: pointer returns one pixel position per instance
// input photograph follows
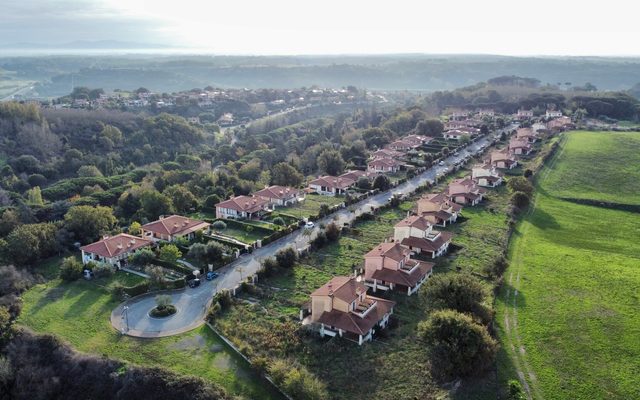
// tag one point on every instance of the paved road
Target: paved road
(193, 303)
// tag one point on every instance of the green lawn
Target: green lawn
(242, 234)
(574, 326)
(310, 206)
(78, 312)
(599, 166)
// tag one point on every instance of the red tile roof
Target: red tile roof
(116, 245)
(277, 192)
(335, 182)
(394, 251)
(175, 225)
(428, 245)
(349, 322)
(342, 287)
(415, 221)
(244, 204)
(399, 277)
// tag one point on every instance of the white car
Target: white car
(441, 163)
(309, 225)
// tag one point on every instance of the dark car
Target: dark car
(211, 275)
(194, 283)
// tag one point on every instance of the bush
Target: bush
(117, 290)
(169, 252)
(70, 269)
(459, 292)
(520, 184)
(101, 270)
(278, 221)
(332, 232)
(286, 258)
(269, 265)
(520, 200)
(219, 226)
(140, 288)
(497, 268)
(456, 344)
(515, 391)
(297, 381)
(156, 275)
(163, 312)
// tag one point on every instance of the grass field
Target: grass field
(78, 312)
(598, 166)
(572, 328)
(310, 206)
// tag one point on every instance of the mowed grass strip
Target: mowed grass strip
(601, 166)
(577, 272)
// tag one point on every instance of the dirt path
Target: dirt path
(513, 339)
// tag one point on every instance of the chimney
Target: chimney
(330, 289)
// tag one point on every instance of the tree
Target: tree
(156, 275)
(169, 252)
(219, 226)
(331, 162)
(70, 269)
(112, 133)
(89, 171)
(39, 239)
(332, 231)
(520, 200)
(89, 223)
(163, 300)
(153, 204)
(382, 182)
(278, 221)
(142, 257)
(459, 292)
(430, 127)
(215, 251)
(183, 200)
(363, 183)
(198, 251)
(520, 184)
(286, 258)
(456, 344)
(135, 228)
(8, 222)
(285, 174)
(34, 196)
(211, 201)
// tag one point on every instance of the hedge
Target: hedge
(140, 288)
(173, 266)
(242, 225)
(225, 242)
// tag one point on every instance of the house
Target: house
(503, 159)
(342, 307)
(553, 114)
(226, 119)
(356, 174)
(114, 250)
(559, 124)
(280, 195)
(486, 175)
(438, 209)
(465, 191)
(401, 145)
(528, 134)
(524, 114)
(243, 207)
(458, 115)
(417, 140)
(539, 126)
(331, 185)
(486, 112)
(455, 134)
(386, 153)
(416, 233)
(389, 266)
(519, 146)
(382, 165)
(172, 227)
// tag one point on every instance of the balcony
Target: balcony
(363, 307)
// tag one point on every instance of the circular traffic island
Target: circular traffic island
(163, 311)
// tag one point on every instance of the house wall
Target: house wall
(319, 304)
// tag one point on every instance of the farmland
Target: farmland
(567, 314)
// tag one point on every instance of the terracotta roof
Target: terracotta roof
(440, 214)
(277, 192)
(349, 322)
(116, 245)
(415, 221)
(392, 250)
(342, 287)
(386, 153)
(175, 225)
(333, 182)
(244, 204)
(355, 174)
(402, 278)
(384, 162)
(428, 245)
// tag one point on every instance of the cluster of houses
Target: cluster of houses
(343, 306)
(116, 250)
(258, 203)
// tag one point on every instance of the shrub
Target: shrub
(286, 258)
(497, 268)
(320, 240)
(70, 269)
(224, 298)
(103, 269)
(140, 288)
(156, 275)
(278, 221)
(269, 265)
(142, 257)
(117, 290)
(515, 391)
(382, 182)
(520, 200)
(219, 226)
(520, 184)
(332, 232)
(459, 292)
(297, 381)
(456, 344)
(169, 252)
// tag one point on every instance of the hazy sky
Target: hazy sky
(541, 27)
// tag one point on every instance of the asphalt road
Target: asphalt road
(193, 303)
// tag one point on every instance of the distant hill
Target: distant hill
(83, 45)
(168, 73)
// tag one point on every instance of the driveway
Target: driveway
(192, 303)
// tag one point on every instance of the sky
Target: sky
(541, 27)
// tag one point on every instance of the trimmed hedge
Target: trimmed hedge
(140, 288)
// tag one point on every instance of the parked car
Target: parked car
(211, 275)
(309, 225)
(194, 283)
(441, 163)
